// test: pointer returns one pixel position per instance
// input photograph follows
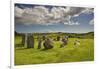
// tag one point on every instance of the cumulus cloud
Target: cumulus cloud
(91, 22)
(18, 12)
(71, 23)
(45, 16)
(88, 11)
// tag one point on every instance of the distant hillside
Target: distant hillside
(70, 35)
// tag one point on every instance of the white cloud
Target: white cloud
(71, 23)
(18, 11)
(88, 11)
(42, 15)
(91, 22)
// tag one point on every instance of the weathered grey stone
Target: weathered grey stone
(58, 38)
(39, 43)
(23, 39)
(64, 42)
(48, 44)
(30, 41)
(26, 40)
(44, 37)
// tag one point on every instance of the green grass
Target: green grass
(85, 52)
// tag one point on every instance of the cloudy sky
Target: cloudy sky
(45, 18)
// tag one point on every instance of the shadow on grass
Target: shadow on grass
(20, 47)
(44, 49)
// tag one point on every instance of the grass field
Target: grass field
(24, 56)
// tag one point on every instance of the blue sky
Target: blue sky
(38, 18)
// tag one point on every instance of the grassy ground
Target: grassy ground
(85, 52)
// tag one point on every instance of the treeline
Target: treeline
(80, 35)
(70, 35)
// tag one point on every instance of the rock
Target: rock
(58, 38)
(39, 43)
(64, 42)
(30, 41)
(48, 44)
(23, 39)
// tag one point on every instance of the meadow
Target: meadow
(24, 56)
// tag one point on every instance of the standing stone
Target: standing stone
(23, 39)
(58, 38)
(30, 41)
(44, 37)
(26, 40)
(76, 43)
(39, 43)
(64, 42)
(66, 37)
(48, 44)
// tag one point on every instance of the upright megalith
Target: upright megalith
(23, 39)
(67, 37)
(44, 37)
(64, 42)
(39, 43)
(30, 41)
(58, 38)
(48, 44)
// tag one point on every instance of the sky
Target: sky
(30, 18)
